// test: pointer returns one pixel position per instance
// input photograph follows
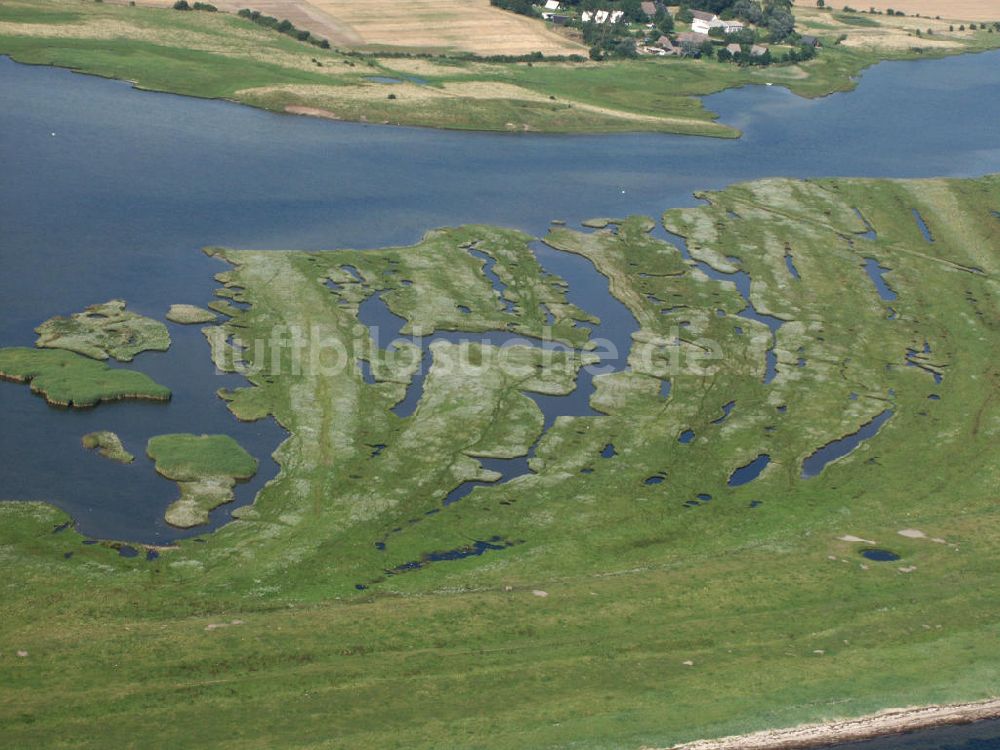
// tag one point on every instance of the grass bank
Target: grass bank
(217, 55)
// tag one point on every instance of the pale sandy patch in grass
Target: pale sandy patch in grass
(892, 33)
(323, 100)
(894, 39)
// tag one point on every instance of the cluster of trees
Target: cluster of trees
(183, 5)
(608, 40)
(528, 58)
(972, 27)
(284, 27)
(616, 39)
(524, 7)
(744, 58)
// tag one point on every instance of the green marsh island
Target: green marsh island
(109, 445)
(68, 367)
(205, 468)
(65, 378)
(190, 314)
(104, 331)
(777, 505)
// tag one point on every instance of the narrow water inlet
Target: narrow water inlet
(727, 408)
(876, 273)
(790, 265)
(870, 233)
(924, 229)
(499, 287)
(841, 447)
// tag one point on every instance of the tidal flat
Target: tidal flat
(615, 604)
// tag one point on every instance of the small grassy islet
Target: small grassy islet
(205, 468)
(190, 314)
(107, 444)
(65, 378)
(103, 331)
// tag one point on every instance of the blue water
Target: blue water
(870, 233)
(726, 410)
(841, 447)
(750, 471)
(876, 273)
(879, 555)
(790, 265)
(120, 200)
(924, 229)
(498, 285)
(982, 735)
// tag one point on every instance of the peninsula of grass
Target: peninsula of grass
(205, 468)
(103, 331)
(578, 604)
(65, 378)
(109, 445)
(219, 55)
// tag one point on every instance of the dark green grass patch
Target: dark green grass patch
(184, 457)
(70, 379)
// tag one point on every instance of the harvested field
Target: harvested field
(466, 25)
(470, 25)
(963, 10)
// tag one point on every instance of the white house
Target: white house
(702, 22)
(552, 5)
(602, 16)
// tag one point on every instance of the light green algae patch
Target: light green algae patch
(68, 379)
(205, 468)
(190, 314)
(103, 331)
(109, 445)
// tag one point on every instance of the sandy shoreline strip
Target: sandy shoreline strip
(888, 722)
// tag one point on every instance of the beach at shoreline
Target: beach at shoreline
(885, 723)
